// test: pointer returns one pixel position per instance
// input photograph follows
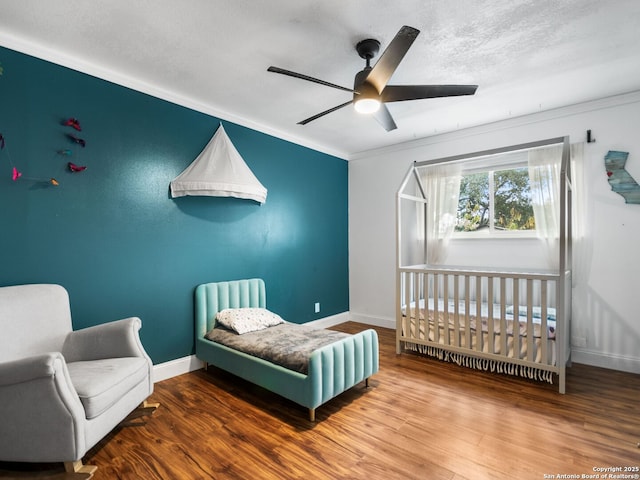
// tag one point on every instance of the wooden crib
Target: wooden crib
(504, 322)
(508, 321)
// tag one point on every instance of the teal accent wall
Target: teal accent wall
(116, 240)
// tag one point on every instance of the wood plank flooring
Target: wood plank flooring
(419, 419)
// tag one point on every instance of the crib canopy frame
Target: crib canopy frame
(411, 259)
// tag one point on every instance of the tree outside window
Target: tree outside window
(497, 201)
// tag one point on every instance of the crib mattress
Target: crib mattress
(452, 330)
(448, 309)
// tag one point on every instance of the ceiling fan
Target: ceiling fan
(370, 89)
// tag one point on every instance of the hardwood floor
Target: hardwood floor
(419, 419)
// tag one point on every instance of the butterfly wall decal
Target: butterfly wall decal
(76, 168)
(75, 124)
(16, 175)
(72, 122)
(77, 140)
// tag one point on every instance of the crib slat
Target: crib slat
(436, 309)
(467, 321)
(530, 329)
(479, 345)
(503, 317)
(407, 305)
(456, 310)
(515, 324)
(490, 301)
(445, 312)
(416, 301)
(544, 336)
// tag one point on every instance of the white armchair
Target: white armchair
(62, 391)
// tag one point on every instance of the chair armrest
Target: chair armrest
(41, 415)
(108, 340)
(30, 368)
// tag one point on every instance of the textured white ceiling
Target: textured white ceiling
(212, 55)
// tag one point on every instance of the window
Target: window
(495, 201)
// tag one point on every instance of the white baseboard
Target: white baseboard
(173, 368)
(383, 322)
(611, 361)
(330, 321)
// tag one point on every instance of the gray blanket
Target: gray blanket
(289, 345)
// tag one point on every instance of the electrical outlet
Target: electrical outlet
(316, 307)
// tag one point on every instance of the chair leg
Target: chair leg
(149, 406)
(312, 414)
(79, 470)
(144, 410)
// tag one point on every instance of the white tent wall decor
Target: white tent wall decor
(219, 171)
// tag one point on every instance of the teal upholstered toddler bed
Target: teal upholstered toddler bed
(332, 368)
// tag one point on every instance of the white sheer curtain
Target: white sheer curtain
(442, 189)
(582, 247)
(544, 179)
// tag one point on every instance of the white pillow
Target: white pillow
(245, 320)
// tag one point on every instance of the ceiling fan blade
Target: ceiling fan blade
(384, 118)
(308, 78)
(322, 114)
(399, 93)
(391, 58)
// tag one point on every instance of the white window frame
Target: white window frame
(511, 161)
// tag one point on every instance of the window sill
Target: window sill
(499, 236)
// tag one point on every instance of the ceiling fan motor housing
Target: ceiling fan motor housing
(363, 88)
(368, 48)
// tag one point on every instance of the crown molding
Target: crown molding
(95, 70)
(522, 120)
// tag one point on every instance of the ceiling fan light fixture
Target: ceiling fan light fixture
(367, 106)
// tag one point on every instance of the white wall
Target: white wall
(606, 297)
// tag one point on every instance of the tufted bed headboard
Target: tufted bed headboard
(213, 297)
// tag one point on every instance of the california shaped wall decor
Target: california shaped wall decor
(620, 180)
